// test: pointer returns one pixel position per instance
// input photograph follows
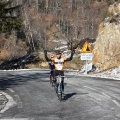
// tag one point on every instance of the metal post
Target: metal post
(86, 67)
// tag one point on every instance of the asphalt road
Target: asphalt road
(33, 98)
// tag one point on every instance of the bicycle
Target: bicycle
(51, 80)
(58, 87)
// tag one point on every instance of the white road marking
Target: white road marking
(11, 90)
(17, 99)
(9, 104)
(106, 95)
(20, 105)
(118, 104)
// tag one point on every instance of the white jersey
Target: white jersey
(59, 63)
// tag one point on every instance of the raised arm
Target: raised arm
(71, 57)
(46, 57)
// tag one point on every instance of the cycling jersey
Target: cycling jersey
(59, 63)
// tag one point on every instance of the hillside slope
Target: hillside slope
(48, 21)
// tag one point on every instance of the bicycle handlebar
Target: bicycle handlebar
(60, 76)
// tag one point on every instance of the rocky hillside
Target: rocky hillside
(107, 46)
(51, 23)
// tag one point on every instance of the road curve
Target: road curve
(85, 98)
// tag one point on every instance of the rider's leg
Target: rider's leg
(54, 74)
(63, 84)
(50, 74)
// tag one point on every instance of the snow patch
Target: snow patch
(89, 67)
(62, 47)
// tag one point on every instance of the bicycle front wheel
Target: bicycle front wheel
(60, 96)
(60, 92)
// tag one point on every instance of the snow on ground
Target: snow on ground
(66, 54)
(62, 44)
(111, 73)
(60, 41)
(89, 67)
(62, 47)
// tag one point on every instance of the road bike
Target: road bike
(51, 80)
(58, 86)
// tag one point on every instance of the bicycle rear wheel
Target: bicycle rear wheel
(51, 80)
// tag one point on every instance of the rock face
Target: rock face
(107, 47)
(115, 8)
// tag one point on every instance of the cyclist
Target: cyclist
(51, 67)
(59, 63)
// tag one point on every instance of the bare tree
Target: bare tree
(74, 20)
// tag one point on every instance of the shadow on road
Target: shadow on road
(11, 79)
(69, 95)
